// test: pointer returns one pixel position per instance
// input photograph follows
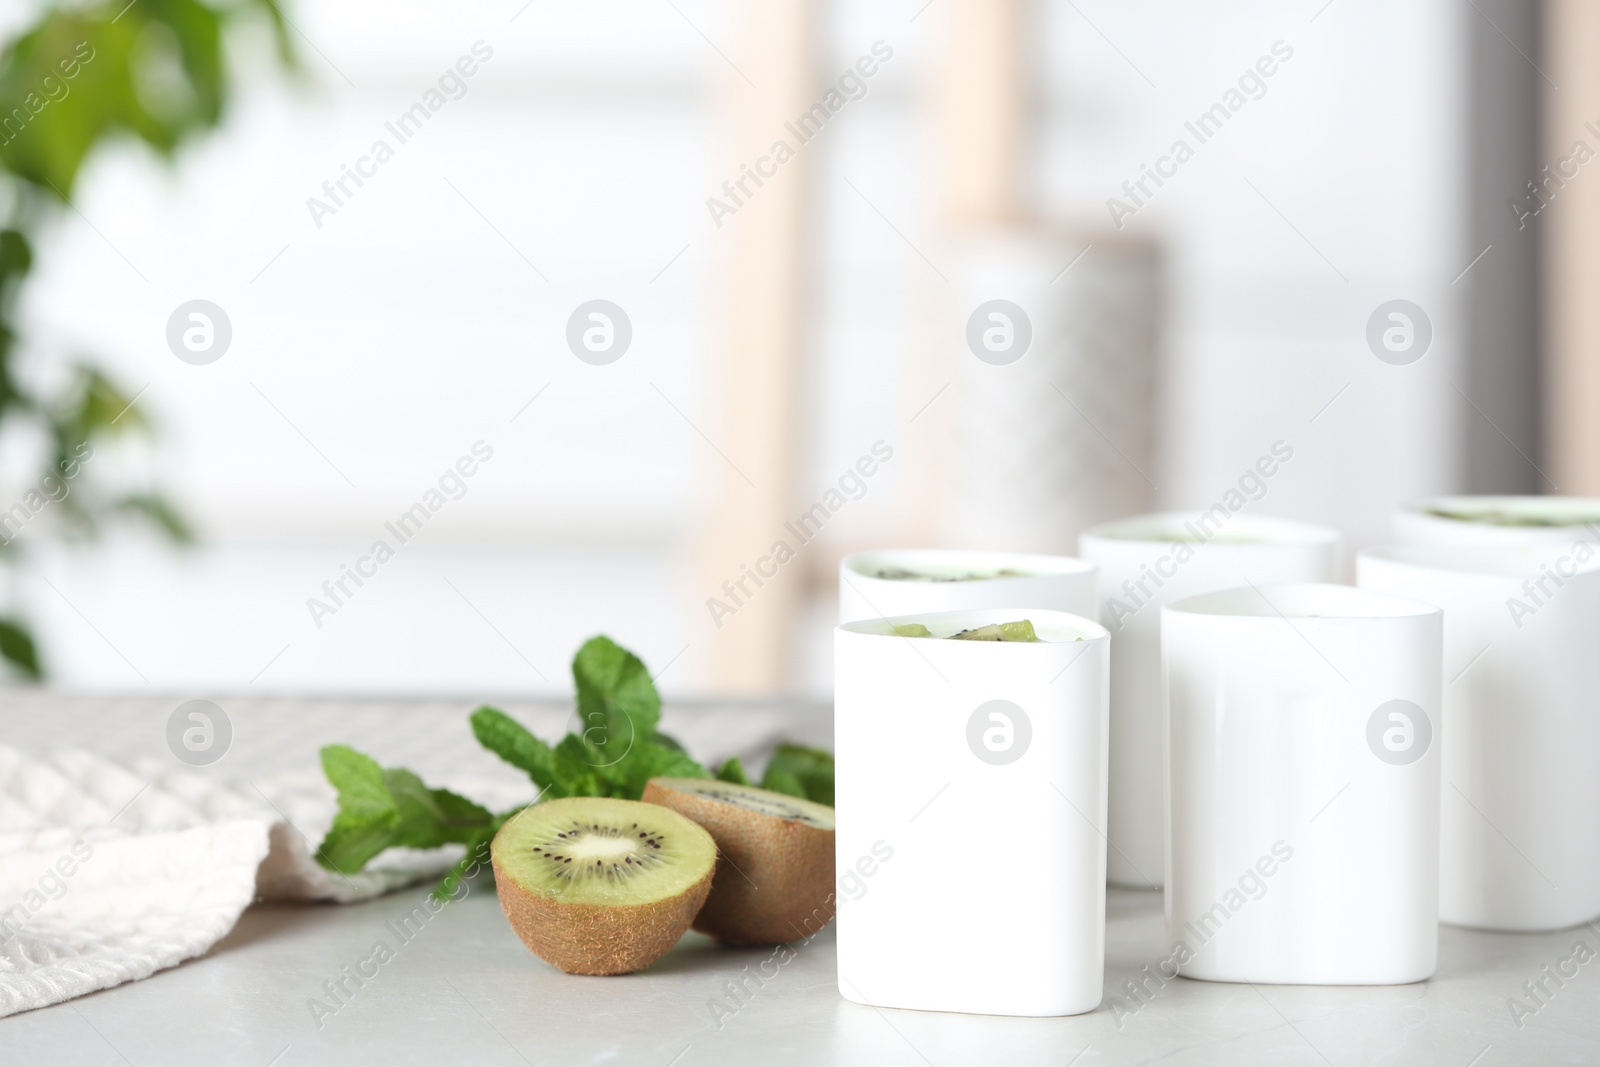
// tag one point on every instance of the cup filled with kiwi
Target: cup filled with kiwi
(963, 737)
(1528, 521)
(913, 581)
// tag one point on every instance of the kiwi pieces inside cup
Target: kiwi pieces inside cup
(596, 885)
(1021, 630)
(901, 574)
(1503, 517)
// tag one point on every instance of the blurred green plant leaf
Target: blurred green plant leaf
(82, 75)
(16, 646)
(75, 77)
(160, 511)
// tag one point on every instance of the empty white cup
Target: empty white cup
(1148, 561)
(1304, 760)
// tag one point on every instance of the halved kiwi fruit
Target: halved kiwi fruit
(601, 886)
(774, 878)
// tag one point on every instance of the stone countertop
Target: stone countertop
(459, 987)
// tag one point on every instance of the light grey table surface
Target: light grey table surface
(463, 989)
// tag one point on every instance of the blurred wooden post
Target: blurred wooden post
(976, 98)
(1570, 231)
(979, 94)
(757, 369)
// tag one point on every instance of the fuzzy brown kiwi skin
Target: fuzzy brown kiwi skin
(592, 938)
(774, 878)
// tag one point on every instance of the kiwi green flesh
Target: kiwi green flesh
(594, 850)
(752, 798)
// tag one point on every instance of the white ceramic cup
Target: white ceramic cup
(952, 756)
(1429, 521)
(1520, 804)
(1142, 568)
(1060, 583)
(1302, 746)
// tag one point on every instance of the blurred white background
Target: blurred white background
(429, 311)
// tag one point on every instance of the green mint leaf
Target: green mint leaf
(367, 813)
(732, 771)
(477, 858)
(618, 711)
(617, 701)
(783, 782)
(429, 818)
(651, 759)
(801, 772)
(514, 743)
(592, 771)
(574, 768)
(383, 808)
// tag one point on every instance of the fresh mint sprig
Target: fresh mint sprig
(617, 749)
(615, 752)
(800, 772)
(382, 808)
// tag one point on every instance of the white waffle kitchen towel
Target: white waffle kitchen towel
(109, 873)
(113, 869)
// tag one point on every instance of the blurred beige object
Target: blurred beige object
(1062, 436)
(979, 96)
(758, 364)
(1571, 251)
(1049, 423)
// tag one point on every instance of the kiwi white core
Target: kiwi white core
(606, 852)
(591, 847)
(761, 801)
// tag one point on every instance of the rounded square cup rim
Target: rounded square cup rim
(1267, 531)
(1299, 600)
(1036, 564)
(1503, 561)
(1046, 619)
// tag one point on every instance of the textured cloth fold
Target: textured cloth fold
(109, 873)
(112, 869)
